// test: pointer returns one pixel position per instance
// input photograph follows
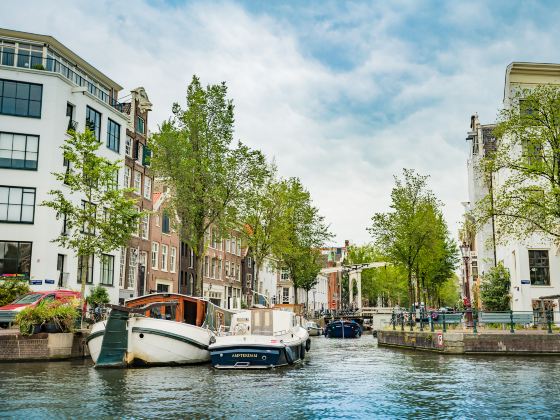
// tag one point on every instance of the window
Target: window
(539, 268)
(165, 222)
(15, 258)
(113, 136)
(249, 262)
(191, 261)
(155, 251)
(219, 269)
(127, 174)
(85, 268)
(163, 257)
(285, 295)
(17, 205)
(144, 226)
(147, 188)
(213, 269)
(20, 99)
(132, 268)
(30, 56)
(238, 272)
(227, 268)
(227, 244)
(7, 55)
(18, 151)
(129, 146)
(122, 266)
(107, 269)
(206, 267)
(249, 281)
(238, 247)
(140, 125)
(93, 122)
(137, 182)
(173, 259)
(162, 288)
(92, 210)
(139, 152)
(285, 274)
(146, 156)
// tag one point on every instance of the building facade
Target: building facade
(534, 264)
(134, 258)
(163, 275)
(45, 90)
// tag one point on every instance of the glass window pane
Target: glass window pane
(22, 91)
(32, 143)
(9, 89)
(18, 159)
(15, 195)
(31, 164)
(34, 109)
(35, 92)
(19, 142)
(4, 194)
(14, 213)
(21, 107)
(6, 140)
(29, 198)
(27, 214)
(3, 212)
(2, 246)
(8, 106)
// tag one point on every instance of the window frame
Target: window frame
(173, 259)
(107, 270)
(147, 183)
(97, 130)
(113, 136)
(89, 275)
(18, 259)
(164, 265)
(139, 190)
(21, 205)
(137, 125)
(156, 251)
(533, 268)
(15, 98)
(25, 151)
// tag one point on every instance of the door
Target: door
(60, 268)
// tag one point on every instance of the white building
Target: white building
(268, 280)
(534, 263)
(45, 89)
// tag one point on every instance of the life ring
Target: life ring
(308, 344)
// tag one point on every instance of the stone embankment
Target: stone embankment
(466, 342)
(15, 347)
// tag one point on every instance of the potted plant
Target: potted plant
(60, 316)
(31, 319)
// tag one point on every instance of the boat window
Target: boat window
(190, 312)
(261, 323)
(155, 312)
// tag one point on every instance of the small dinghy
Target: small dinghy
(313, 329)
(261, 339)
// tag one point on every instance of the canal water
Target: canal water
(340, 378)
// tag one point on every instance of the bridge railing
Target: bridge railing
(474, 319)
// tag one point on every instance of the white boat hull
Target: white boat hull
(157, 342)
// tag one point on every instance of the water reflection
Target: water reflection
(351, 378)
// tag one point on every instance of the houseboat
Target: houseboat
(343, 328)
(260, 339)
(157, 329)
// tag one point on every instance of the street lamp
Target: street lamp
(465, 252)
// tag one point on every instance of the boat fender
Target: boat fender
(289, 355)
(212, 340)
(308, 344)
(302, 350)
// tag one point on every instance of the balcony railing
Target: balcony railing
(37, 62)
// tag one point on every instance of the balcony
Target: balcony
(36, 61)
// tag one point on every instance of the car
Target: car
(8, 312)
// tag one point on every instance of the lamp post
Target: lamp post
(465, 251)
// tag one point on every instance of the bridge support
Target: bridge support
(355, 276)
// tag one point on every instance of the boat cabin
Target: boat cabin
(263, 322)
(190, 310)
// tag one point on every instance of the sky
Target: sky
(343, 95)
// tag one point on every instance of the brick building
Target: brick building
(134, 258)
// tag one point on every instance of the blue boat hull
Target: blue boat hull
(350, 330)
(256, 357)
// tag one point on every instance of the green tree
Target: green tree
(98, 295)
(495, 289)
(527, 199)
(99, 217)
(208, 178)
(10, 289)
(410, 226)
(304, 230)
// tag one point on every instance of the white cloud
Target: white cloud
(297, 108)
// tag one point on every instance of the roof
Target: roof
(61, 48)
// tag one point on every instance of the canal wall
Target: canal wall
(470, 343)
(15, 347)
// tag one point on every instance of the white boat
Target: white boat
(158, 329)
(313, 329)
(260, 339)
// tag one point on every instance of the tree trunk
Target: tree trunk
(410, 291)
(307, 301)
(295, 294)
(199, 269)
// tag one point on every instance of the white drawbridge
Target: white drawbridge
(354, 275)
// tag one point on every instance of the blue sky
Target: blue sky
(342, 94)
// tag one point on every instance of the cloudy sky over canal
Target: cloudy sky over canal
(341, 94)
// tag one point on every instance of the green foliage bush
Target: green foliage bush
(494, 290)
(98, 296)
(10, 289)
(61, 313)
